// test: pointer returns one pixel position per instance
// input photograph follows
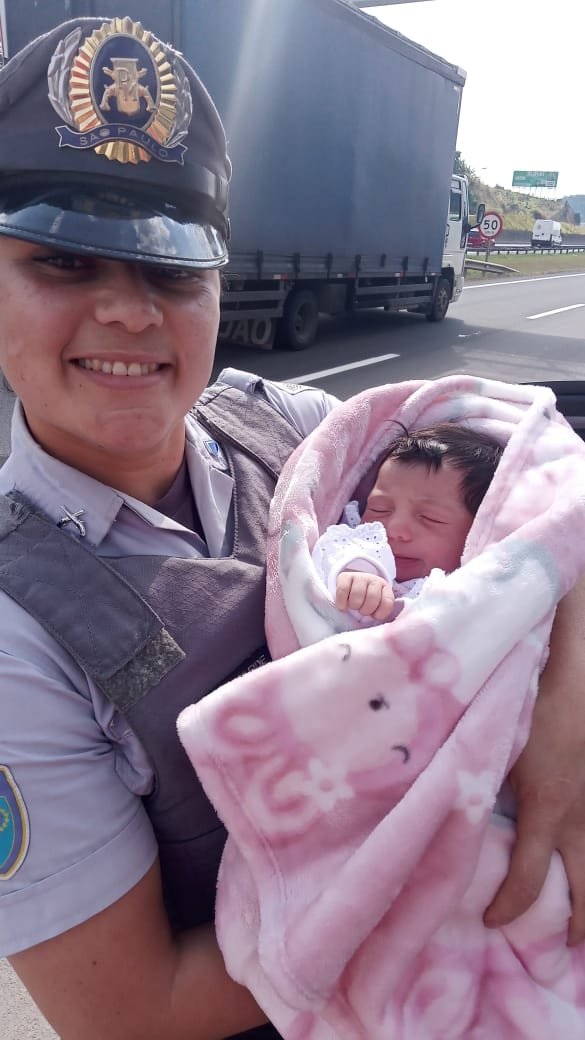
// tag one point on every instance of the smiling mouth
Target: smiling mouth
(119, 368)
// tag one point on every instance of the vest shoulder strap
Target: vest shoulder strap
(250, 423)
(70, 591)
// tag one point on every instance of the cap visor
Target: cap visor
(112, 224)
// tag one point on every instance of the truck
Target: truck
(342, 135)
(546, 233)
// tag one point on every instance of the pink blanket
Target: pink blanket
(360, 775)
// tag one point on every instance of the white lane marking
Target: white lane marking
(523, 281)
(557, 310)
(311, 377)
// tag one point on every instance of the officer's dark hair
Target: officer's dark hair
(475, 454)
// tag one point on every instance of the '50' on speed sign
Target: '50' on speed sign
(491, 225)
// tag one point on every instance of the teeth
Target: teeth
(119, 368)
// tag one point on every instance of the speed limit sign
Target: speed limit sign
(491, 225)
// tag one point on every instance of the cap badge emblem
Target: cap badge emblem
(121, 93)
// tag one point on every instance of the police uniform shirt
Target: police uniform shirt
(68, 754)
(6, 409)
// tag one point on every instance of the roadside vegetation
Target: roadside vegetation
(520, 209)
(525, 264)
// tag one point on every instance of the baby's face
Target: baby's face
(423, 514)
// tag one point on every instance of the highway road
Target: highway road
(531, 329)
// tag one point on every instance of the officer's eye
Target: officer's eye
(63, 261)
(174, 275)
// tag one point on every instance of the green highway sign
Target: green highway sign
(535, 179)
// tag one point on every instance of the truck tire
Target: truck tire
(297, 328)
(441, 301)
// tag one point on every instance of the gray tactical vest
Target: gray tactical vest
(158, 633)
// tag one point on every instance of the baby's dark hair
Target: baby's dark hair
(475, 454)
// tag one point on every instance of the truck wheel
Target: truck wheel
(297, 328)
(441, 301)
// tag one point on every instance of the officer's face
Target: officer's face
(107, 357)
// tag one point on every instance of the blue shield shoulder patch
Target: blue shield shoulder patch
(14, 827)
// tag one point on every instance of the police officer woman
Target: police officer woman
(132, 541)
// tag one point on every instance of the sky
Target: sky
(524, 100)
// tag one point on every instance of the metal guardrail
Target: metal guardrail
(504, 248)
(484, 265)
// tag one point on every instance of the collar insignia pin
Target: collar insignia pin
(213, 449)
(73, 518)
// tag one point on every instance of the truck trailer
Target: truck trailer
(342, 136)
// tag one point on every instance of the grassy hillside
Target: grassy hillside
(520, 210)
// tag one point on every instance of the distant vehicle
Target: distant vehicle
(546, 233)
(475, 240)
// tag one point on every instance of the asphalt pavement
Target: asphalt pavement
(21, 1019)
(522, 330)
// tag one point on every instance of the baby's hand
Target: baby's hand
(369, 594)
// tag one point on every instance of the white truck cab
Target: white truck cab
(458, 225)
(546, 233)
